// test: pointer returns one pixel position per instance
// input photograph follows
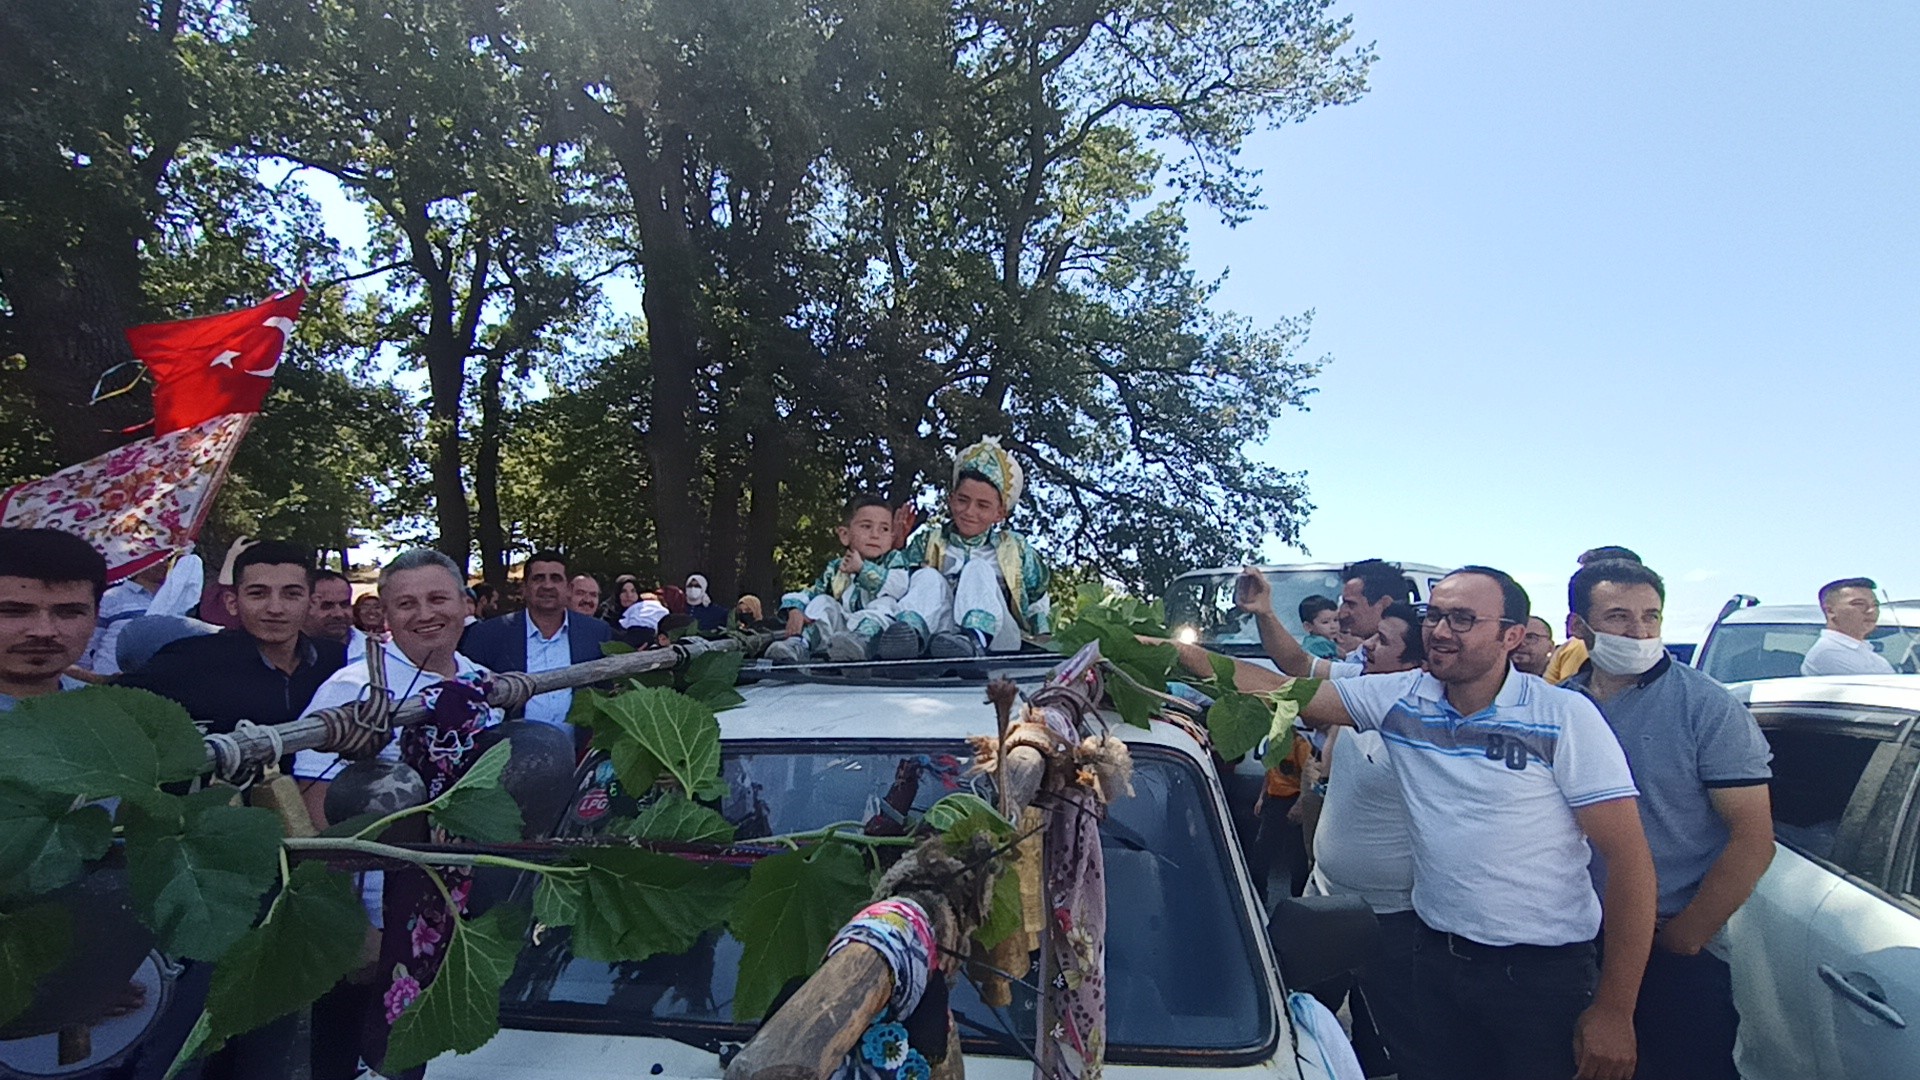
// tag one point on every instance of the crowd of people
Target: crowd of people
(1551, 836)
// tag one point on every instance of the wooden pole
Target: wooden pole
(814, 1031)
(257, 747)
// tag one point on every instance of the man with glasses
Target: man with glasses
(1507, 781)
(1536, 647)
(1702, 767)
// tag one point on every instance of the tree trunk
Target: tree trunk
(725, 539)
(445, 352)
(70, 323)
(766, 470)
(486, 476)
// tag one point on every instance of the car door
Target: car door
(1824, 957)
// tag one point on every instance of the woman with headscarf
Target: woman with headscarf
(626, 593)
(709, 615)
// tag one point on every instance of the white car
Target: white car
(1193, 981)
(1768, 641)
(1200, 602)
(1826, 953)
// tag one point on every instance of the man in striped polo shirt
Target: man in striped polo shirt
(1508, 780)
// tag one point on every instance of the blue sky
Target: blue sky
(1626, 273)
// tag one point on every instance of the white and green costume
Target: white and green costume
(994, 583)
(865, 603)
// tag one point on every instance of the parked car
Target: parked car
(1768, 641)
(1826, 953)
(1194, 983)
(1200, 602)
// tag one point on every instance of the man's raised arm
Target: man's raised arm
(1324, 710)
(1253, 595)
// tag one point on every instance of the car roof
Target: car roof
(1875, 691)
(1269, 568)
(1897, 612)
(936, 710)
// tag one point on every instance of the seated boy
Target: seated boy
(1320, 617)
(978, 585)
(854, 599)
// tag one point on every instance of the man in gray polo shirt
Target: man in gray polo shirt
(1702, 768)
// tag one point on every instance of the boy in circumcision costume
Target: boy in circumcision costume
(856, 596)
(976, 586)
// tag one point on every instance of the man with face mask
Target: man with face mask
(1702, 768)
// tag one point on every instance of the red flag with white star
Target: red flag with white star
(215, 365)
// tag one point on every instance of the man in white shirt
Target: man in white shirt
(1852, 613)
(426, 603)
(124, 601)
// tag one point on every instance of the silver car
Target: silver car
(1768, 641)
(1826, 954)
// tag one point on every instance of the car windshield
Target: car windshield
(1739, 652)
(1203, 603)
(1184, 972)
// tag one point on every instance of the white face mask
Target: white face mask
(1618, 655)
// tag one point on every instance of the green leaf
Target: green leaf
(476, 806)
(615, 648)
(1003, 911)
(679, 732)
(957, 817)
(460, 1009)
(1223, 671)
(710, 679)
(1280, 733)
(309, 941)
(792, 907)
(1237, 723)
(675, 818)
(632, 904)
(1133, 706)
(32, 943)
(198, 872)
(586, 706)
(104, 740)
(44, 843)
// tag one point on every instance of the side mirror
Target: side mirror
(1318, 938)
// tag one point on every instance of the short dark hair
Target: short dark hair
(1607, 553)
(545, 555)
(862, 502)
(976, 474)
(1846, 583)
(1415, 650)
(53, 557)
(1312, 606)
(1516, 606)
(1618, 571)
(272, 553)
(483, 591)
(319, 574)
(674, 622)
(1535, 618)
(1379, 580)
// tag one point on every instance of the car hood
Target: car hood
(551, 1055)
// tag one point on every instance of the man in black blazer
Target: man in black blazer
(543, 637)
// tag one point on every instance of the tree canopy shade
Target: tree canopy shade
(865, 232)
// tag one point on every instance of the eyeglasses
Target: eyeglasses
(1460, 620)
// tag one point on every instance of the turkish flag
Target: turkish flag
(219, 364)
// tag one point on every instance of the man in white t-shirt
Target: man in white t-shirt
(1507, 780)
(1852, 612)
(426, 604)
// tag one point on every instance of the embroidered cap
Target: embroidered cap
(988, 458)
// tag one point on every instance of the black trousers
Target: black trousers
(1383, 1004)
(1684, 1020)
(1499, 1012)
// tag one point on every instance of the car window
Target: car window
(1739, 652)
(1817, 768)
(1203, 603)
(1185, 972)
